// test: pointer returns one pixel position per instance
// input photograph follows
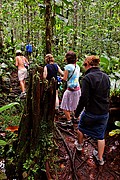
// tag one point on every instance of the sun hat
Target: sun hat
(18, 51)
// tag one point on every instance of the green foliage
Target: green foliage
(31, 168)
(38, 158)
(109, 64)
(94, 31)
(10, 115)
(8, 106)
(7, 65)
(9, 120)
(116, 131)
(117, 123)
(115, 92)
(7, 145)
(2, 143)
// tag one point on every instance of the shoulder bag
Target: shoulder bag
(65, 82)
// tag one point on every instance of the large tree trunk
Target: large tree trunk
(48, 26)
(36, 123)
(75, 24)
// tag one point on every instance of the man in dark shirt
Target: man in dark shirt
(94, 105)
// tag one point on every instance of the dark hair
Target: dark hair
(71, 57)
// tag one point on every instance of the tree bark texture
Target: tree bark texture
(38, 112)
(48, 26)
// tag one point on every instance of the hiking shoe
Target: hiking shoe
(95, 154)
(63, 124)
(57, 111)
(79, 147)
(75, 120)
(67, 123)
(23, 94)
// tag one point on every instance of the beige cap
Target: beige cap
(18, 51)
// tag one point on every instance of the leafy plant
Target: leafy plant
(9, 115)
(9, 136)
(116, 131)
(8, 106)
(110, 65)
(2, 142)
(6, 145)
(115, 92)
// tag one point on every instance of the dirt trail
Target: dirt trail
(75, 165)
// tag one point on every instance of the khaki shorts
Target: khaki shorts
(22, 74)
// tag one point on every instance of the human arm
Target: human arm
(16, 61)
(45, 72)
(84, 98)
(26, 60)
(60, 71)
(65, 76)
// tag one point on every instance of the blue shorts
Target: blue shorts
(93, 125)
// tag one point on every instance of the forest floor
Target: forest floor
(75, 165)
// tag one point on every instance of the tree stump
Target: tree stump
(36, 127)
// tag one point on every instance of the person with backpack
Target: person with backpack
(29, 49)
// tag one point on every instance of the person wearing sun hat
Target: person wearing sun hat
(20, 61)
(93, 106)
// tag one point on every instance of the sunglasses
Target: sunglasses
(85, 64)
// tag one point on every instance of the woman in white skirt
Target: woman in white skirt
(72, 93)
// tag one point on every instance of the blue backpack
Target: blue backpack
(29, 48)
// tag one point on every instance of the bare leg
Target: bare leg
(80, 137)
(57, 100)
(67, 114)
(22, 86)
(101, 147)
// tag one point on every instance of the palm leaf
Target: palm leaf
(8, 106)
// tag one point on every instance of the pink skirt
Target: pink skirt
(70, 100)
